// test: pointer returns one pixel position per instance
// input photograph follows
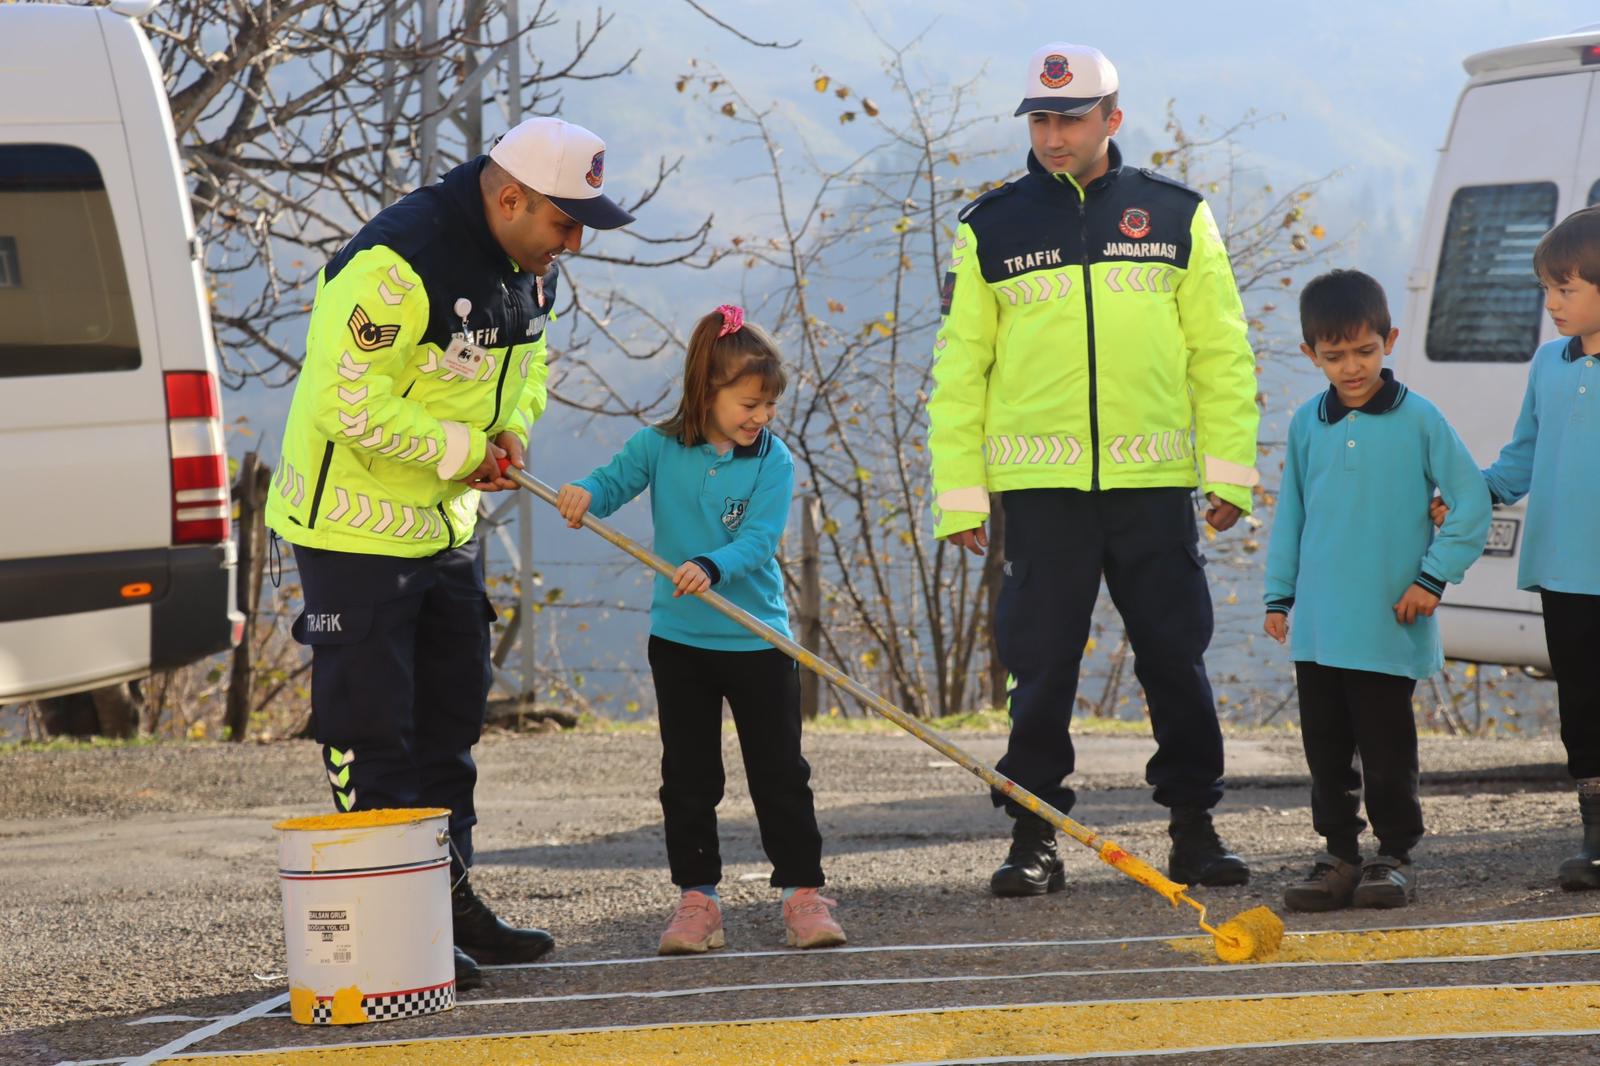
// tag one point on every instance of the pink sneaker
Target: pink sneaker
(808, 922)
(695, 926)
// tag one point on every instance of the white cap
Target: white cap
(1069, 79)
(565, 163)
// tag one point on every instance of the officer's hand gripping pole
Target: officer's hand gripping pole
(1249, 937)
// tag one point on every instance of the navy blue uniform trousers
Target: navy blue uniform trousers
(400, 678)
(1058, 543)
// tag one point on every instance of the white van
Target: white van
(115, 550)
(1522, 152)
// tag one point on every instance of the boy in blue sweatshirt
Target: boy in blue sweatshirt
(1553, 458)
(1354, 555)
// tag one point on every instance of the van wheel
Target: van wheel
(112, 711)
(69, 716)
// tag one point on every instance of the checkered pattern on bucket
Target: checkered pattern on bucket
(388, 1008)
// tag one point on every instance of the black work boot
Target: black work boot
(1583, 869)
(1032, 867)
(1197, 856)
(468, 976)
(486, 938)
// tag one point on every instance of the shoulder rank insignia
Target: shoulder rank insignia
(370, 337)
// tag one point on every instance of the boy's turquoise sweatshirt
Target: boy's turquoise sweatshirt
(1554, 460)
(725, 512)
(1352, 531)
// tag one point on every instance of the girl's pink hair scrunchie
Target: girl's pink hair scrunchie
(732, 319)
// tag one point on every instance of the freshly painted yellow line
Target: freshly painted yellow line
(1066, 1029)
(1500, 938)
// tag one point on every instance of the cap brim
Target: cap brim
(1061, 105)
(596, 212)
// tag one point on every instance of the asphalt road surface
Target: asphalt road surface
(141, 906)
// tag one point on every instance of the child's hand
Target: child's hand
(1437, 511)
(689, 580)
(1418, 602)
(1277, 626)
(573, 503)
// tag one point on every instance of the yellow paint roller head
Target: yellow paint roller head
(1250, 937)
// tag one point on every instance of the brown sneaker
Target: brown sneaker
(1329, 886)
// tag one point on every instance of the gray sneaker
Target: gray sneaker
(1328, 887)
(1386, 882)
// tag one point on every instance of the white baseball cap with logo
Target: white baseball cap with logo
(1069, 79)
(566, 164)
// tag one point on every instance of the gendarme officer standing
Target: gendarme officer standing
(1093, 367)
(425, 365)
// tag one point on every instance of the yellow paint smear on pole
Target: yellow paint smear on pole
(1378, 945)
(1062, 1029)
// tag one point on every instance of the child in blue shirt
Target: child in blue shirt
(720, 486)
(1553, 458)
(1354, 555)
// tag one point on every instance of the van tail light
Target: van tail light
(200, 497)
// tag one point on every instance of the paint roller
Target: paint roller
(1251, 936)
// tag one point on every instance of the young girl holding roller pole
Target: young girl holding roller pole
(720, 486)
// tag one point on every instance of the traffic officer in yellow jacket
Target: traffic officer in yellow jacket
(1093, 368)
(425, 366)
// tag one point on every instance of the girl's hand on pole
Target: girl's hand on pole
(689, 580)
(573, 503)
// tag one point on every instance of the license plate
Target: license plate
(1502, 536)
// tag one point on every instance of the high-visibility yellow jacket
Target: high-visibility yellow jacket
(381, 426)
(1093, 339)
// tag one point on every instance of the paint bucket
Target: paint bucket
(366, 915)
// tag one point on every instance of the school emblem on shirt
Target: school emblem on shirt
(1055, 73)
(597, 170)
(369, 337)
(1135, 223)
(733, 513)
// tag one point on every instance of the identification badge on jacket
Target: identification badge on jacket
(464, 358)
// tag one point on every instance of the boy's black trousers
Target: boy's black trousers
(1360, 736)
(1058, 543)
(763, 691)
(1572, 633)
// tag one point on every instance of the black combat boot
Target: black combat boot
(1032, 868)
(1583, 869)
(1197, 856)
(468, 976)
(486, 938)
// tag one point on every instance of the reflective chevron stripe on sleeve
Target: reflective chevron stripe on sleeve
(1048, 449)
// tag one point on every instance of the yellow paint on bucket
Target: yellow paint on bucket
(362, 819)
(302, 1001)
(347, 1008)
(1378, 945)
(1119, 1027)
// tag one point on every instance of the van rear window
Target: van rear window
(1487, 306)
(64, 306)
